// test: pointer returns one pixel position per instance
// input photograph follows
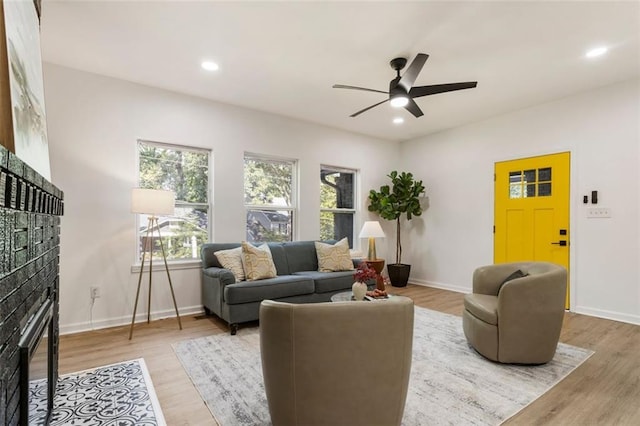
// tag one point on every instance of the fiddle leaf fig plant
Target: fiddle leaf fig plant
(402, 198)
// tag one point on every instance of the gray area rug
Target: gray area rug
(450, 383)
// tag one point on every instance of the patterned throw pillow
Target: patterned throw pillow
(258, 263)
(232, 260)
(334, 257)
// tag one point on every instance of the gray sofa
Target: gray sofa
(298, 281)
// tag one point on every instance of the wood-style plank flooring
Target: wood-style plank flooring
(605, 390)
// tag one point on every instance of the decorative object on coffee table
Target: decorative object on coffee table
(391, 203)
(154, 203)
(363, 274)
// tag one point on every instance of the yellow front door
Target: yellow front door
(532, 210)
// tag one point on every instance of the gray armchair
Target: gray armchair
(518, 321)
(340, 363)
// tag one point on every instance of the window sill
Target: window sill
(174, 265)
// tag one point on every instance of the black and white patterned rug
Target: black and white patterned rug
(120, 394)
(450, 383)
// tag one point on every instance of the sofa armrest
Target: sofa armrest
(224, 275)
(214, 280)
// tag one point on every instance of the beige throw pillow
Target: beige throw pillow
(258, 263)
(334, 257)
(232, 260)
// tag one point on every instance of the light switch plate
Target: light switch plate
(598, 213)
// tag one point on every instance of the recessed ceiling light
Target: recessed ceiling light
(209, 66)
(398, 120)
(598, 51)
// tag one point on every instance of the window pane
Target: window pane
(182, 234)
(181, 171)
(529, 176)
(531, 190)
(336, 226)
(544, 189)
(515, 190)
(268, 182)
(269, 225)
(515, 177)
(336, 188)
(544, 174)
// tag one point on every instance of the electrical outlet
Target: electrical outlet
(95, 292)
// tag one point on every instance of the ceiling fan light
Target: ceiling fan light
(399, 101)
(595, 52)
(209, 66)
(398, 120)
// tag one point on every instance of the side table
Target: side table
(377, 265)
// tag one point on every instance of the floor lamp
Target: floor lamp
(152, 202)
(373, 230)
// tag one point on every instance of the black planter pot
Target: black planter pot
(398, 274)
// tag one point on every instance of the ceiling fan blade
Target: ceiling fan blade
(414, 109)
(368, 108)
(419, 91)
(410, 75)
(342, 86)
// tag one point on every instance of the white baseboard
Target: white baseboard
(441, 286)
(126, 320)
(601, 313)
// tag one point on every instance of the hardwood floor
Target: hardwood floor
(605, 390)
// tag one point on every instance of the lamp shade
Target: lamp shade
(154, 202)
(372, 229)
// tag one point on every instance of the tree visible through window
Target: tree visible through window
(185, 171)
(337, 203)
(269, 188)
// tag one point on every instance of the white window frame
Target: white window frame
(183, 263)
(293, 209)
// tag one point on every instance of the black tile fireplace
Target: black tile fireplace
(30, 210)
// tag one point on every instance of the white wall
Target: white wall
(93, 124)
(601, 130)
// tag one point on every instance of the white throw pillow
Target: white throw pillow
(258, 263)
(232, 260)
(334, 257)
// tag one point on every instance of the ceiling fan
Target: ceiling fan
(401, 91)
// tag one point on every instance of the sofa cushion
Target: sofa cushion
(270, 288)
(334, 257)
(301, 256)
(207, 254)
(232, 260)
(329, 281)
(279, 258)
(257, 262)
(483, 307)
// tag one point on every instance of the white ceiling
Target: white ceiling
(283, 57)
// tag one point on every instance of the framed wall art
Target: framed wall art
(22, 30)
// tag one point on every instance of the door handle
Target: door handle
(561, 243)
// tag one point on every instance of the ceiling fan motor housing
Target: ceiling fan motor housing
(398, 63)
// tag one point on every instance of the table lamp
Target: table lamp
(372, 230)
(154, 203)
